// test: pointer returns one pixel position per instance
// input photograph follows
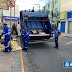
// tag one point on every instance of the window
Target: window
(48, 5)
(44, 7)
(52, 3)
(52, 13)
(56, 10)
(56, 1)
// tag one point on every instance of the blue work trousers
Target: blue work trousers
(56, 42)
(7, 47)
(26, 40)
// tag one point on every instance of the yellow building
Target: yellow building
(66, 16)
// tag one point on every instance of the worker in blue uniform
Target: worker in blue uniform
(7, 33)
(57, 33)
(26, 38)
(46, 28)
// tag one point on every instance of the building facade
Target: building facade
(46, 8)
(5, 15)
(55, 10)
(66, 5)
(61, 14)
(66, 16)
(53, 6)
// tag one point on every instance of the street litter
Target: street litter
(14, 45)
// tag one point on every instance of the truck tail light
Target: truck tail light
(43, 16)
(25, 15)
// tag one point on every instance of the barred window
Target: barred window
(48, 5)
(52, 3)
(56, 1)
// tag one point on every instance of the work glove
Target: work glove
(0, 36)
(16, 33)
(2, 42)
(20, 31)
(11, 38)
(17, 36)
(22, 39)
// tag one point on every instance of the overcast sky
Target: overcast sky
(28, 4)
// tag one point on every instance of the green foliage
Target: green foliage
(3, 1)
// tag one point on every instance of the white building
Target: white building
(66, 16)
(6, 15)
(66, 5)
(7, 12)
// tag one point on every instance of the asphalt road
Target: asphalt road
(44, 58)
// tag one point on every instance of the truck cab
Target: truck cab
(37, 25)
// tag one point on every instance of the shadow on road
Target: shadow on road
(39, 46)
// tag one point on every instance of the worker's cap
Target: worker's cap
(4, 24)
(22, 28)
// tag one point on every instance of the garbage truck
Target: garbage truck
(37, 25)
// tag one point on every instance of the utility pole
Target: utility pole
(10, 22)
(14, 13)
(2, 16)
(39, 7)
(33, 8)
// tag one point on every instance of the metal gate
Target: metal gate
(63, 27)
(70, 27)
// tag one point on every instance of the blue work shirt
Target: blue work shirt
(6, 32)
(57, 32)
(24, 34)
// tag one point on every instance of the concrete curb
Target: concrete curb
(66, 36)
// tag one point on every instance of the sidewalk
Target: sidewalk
(66, 35)
(10, 62)
(1, 31)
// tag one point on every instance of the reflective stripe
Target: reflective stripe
(25, 35)
(26, 47)
(40, 35)
(6, 46)
(22, 34)
(7, 33)
(25, 41)
(3, 32)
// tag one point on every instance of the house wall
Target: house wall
(66, 5)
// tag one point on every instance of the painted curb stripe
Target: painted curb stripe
(22, 65)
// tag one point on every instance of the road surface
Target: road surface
(44, 58)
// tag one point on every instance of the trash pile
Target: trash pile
(35, 31)
(14, 45)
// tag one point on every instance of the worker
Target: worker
(57, 33)
(26, 38)
(7, 33)
(14, 29)
(46, 28)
